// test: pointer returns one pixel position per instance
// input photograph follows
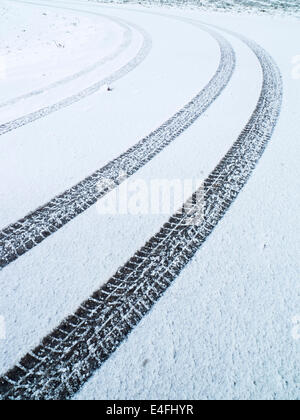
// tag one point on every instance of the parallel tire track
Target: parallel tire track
(67, 358)
(122, 47)
(20, 237)
(128, 67)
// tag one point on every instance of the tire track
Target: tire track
(67, 357)
(20, 237)
(131, 65)
(122, 47)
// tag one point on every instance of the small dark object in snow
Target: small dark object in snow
(145, 362)
(109, 89)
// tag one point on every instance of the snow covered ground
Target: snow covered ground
(228, 326)
(50, 44)
(237, 6)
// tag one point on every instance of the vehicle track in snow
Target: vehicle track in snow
(122, 47)
(90, 90)
(68, 356)
(18, 238)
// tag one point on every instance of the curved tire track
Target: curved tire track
(122, 47)
(67, 357)
(20, 237)
(43, 112)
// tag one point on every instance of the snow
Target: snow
(224, 329)
(291, 7)
(50, 44)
